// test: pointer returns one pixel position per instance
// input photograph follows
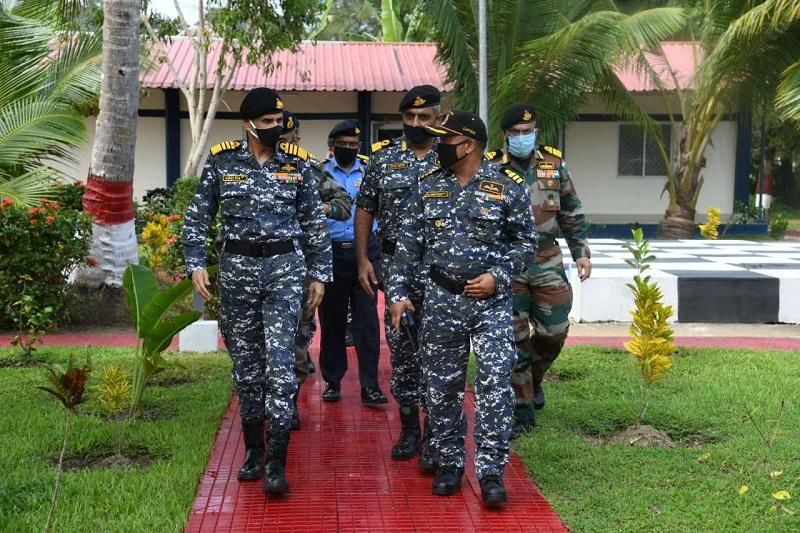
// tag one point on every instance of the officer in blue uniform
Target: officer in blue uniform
(347, 168)
(274, 235)
(470, 227)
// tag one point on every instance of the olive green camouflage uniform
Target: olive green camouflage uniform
(340, 205)
(543, 295)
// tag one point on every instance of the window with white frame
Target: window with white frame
(638, 152)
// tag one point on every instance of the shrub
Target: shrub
(651, 342)
(169, 260)
(710, 230)
(778, 224)
(68, 195)
(39, 248)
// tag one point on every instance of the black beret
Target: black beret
(260, 102)
(290, 122)
(460, 123)
(348, 127)
(518, 114)
(421, 96)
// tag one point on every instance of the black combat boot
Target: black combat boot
(524, 420)
(428, 456)
(447, 481)
(295, 412)
(253, 466)
(492, 491)
(407, 445)
(538, 398)
(277, 448)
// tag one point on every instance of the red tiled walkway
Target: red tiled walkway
(342, 478)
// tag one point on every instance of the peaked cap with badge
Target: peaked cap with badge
(460, 123)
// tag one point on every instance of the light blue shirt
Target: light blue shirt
(343, 230)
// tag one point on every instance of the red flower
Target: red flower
(173, 218)
(79, 184)
(32, 211)
(8, 202)
(50, 219)
(33, 221)
(92, 261)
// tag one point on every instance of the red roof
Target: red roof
(678, 57)
(320, 66)
(377, 66)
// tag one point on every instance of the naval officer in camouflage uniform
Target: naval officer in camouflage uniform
(386, 191)
(274, 235)
(337, 205)
(543, 295)
(470, 226)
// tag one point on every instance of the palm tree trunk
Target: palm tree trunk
(678, 220)
(109, 191)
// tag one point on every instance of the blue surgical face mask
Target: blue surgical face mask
(521, 146)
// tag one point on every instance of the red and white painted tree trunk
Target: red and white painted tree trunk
(109, 188)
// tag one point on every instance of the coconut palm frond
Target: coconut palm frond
(74, 74)
(35, 128)
(27, 188)
(788, 99)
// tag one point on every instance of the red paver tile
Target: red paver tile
(343, 479)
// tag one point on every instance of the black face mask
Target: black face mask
(345, 156)
(268, 137)
(448, 154)
(416, 134)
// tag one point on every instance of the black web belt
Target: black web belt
(454, 284)
(258, 249)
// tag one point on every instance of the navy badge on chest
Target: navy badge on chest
(288, 173)
(233, 178)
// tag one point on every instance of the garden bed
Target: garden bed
(166, 450)
(597, 484)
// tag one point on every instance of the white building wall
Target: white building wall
(591, 152)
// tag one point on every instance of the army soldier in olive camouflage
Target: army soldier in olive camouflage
(386, 191)
(274, 235)
(543, 295)
(470, 227)
(337, 205)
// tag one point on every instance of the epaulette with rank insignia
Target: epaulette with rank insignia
(225, 146)
(364, 158)
(514, 176)
(380, 145)
(553, 151)
(293, 149)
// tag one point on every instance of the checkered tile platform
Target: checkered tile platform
(707, 281)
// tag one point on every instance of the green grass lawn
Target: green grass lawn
(182, 410)
(700, 404)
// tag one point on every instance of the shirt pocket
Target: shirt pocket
(437, 219)
(397, 194)
(236, 200)
(486, 221)
(285, 195)
(550, 191)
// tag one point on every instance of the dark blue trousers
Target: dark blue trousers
(343, 291)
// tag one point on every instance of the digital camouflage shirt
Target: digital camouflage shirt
(486, 226)
(390, 182)
(271, 203)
